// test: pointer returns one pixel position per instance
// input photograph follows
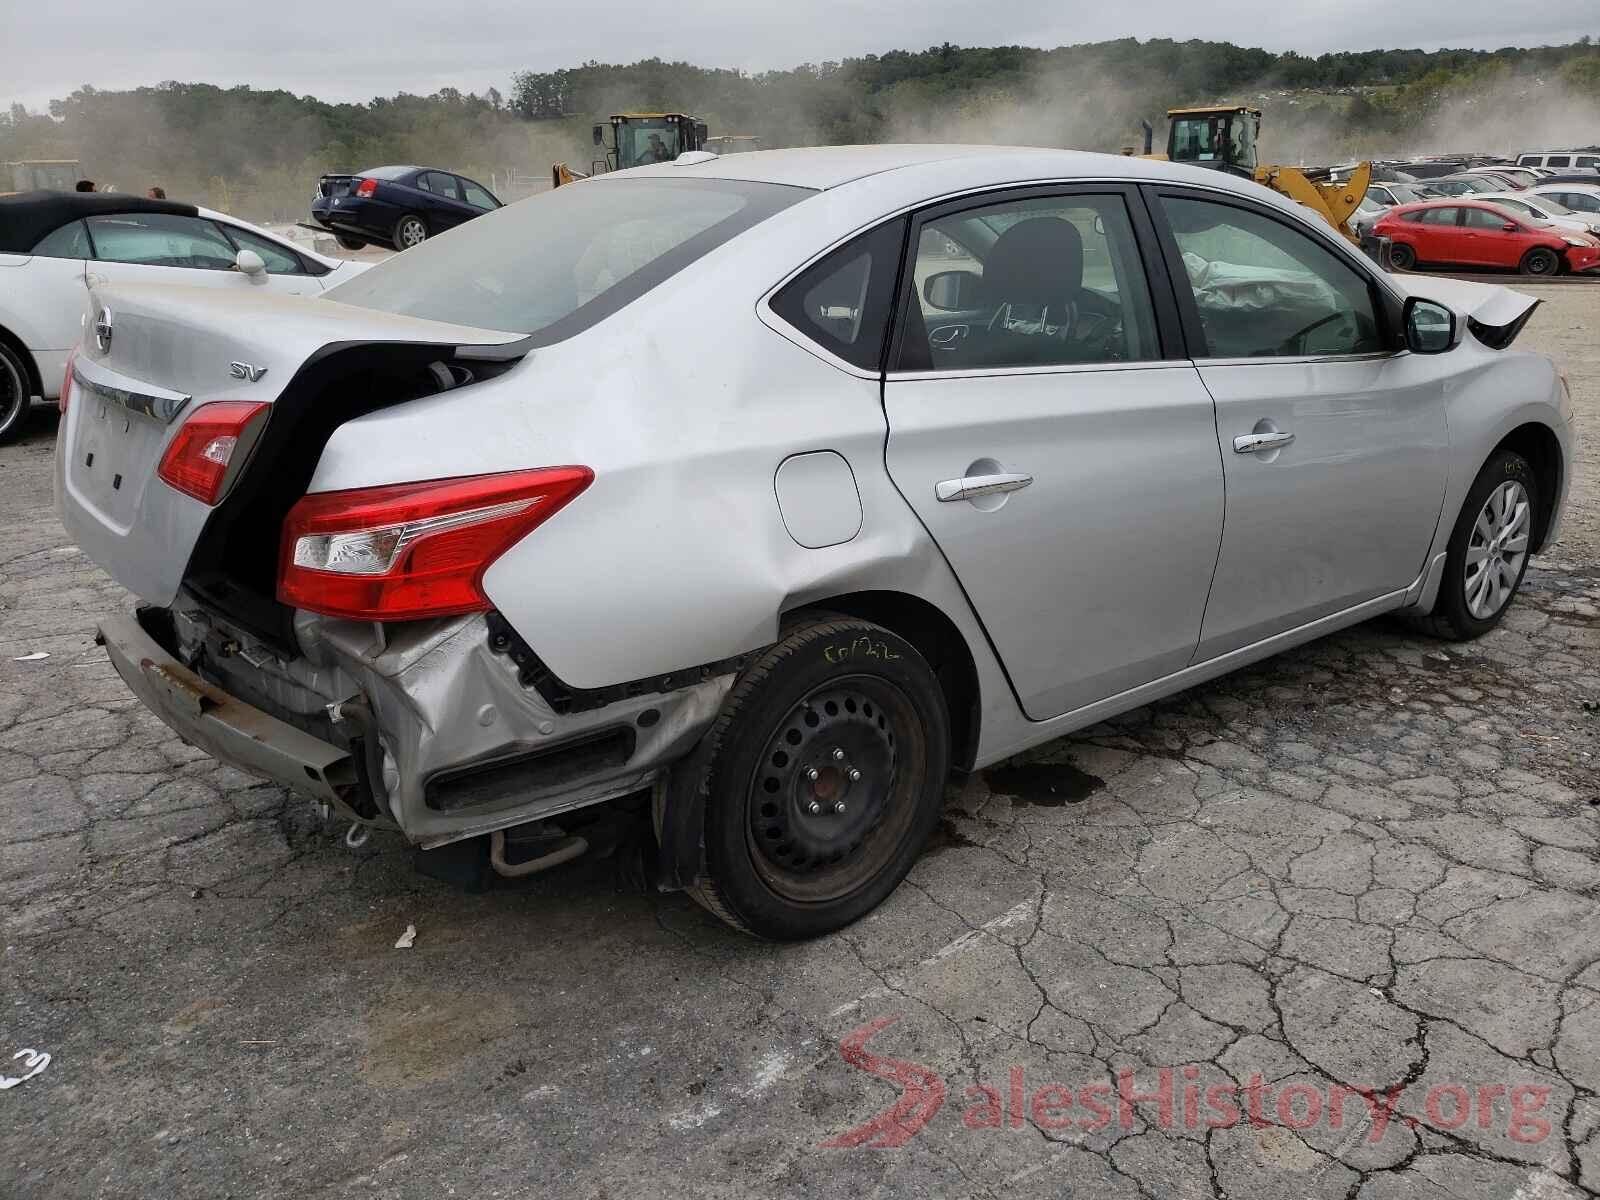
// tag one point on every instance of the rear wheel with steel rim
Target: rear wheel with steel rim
(1489, 548)
(822, 778)
(1402, 256)
(410, 230)
(15, 394)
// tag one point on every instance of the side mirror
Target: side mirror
(599, 135)
(249, 264)
(952, 291)
(1430, 327)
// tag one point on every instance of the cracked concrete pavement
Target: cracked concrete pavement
(1370, 863)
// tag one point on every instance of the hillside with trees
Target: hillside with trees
(258, 153)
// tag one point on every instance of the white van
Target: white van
(1560, 158)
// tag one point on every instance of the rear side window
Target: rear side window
(1528, 160)
(555, 264)
(70, 241)
(842, 303)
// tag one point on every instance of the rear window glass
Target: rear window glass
(559, 262)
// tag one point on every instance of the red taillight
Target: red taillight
(197, 458)
(66, 380)
(407, 551)
(366, 187)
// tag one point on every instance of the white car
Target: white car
(1583, 198)
(54, 246)
(1544, 210)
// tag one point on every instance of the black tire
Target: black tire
(16, 394)
(350, 243)
(1403, 257)
(1452, 617)
(840, 697)
(1541, 260)
(410, 230)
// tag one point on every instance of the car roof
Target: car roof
(824, 167)
(29, 216)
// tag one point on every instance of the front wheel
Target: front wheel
(15, 394)
(1541, 260)
(1488, 552)
(1403, 257)
(822, 777)
(410, 230)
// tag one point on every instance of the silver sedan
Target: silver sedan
(780, 485)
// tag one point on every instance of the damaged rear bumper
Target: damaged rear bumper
(427, 728)
(223, 726)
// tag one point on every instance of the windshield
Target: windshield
(641, 142)
(556, 263)
(1403, 194)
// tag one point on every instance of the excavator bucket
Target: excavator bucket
(1337, 202)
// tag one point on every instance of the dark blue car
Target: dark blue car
(397, 206)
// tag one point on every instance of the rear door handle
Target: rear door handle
(970, 487)
(1250, 443)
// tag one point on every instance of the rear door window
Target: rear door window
(1558, 160)
(1483, 218)
(1042, 281)
(160, 240)
(842, 303)
(1439, 216)
(439, 184)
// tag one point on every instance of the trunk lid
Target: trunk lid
(336, 185)
(153, 354)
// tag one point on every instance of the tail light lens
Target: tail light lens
(408, 551)
(197, 458)
(366, 187)
(66, 380)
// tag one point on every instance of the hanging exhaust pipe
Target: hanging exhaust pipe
(565, 851)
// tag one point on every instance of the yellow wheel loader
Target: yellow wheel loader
(1224, 138)
(637, 138)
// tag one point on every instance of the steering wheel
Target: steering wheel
(1288, 346)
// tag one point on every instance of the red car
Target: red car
(1475, 233)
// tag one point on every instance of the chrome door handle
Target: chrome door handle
(1249, 443)
(970, 487)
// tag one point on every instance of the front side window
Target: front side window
(477, 197)
(1581, 201)
(843, 302)
(279, 259)
(70, 241)
(1588, 160)
(559, 262)
(160, 240)
(1484, 218)
(1264, 289)
(1038, 282)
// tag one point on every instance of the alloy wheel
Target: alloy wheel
(13, 395)
(1496, 550)
(412, 233)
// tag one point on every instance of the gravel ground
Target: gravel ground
(1372, 863)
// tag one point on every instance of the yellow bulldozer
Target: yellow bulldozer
(637, 138)
(1224, 138)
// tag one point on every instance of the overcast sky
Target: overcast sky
(355, 51)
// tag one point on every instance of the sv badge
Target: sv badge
(246, 371)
